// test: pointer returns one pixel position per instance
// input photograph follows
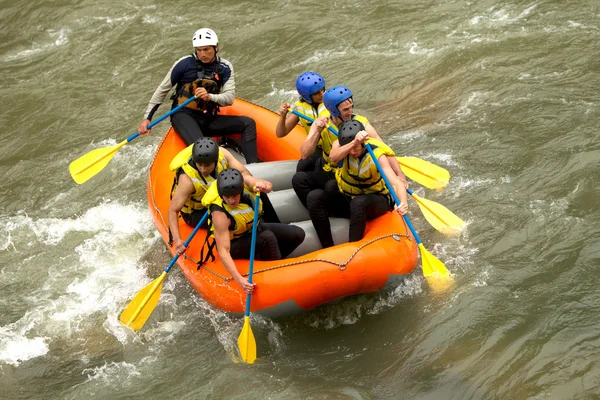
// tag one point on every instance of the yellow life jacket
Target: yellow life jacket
(308, 110)
(183, 163)
(360, 175)
(328, 138)
(241, 217)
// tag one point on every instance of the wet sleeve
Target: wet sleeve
(170, 79)
(227, 95)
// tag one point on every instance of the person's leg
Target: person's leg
(317, 209)
(288, 236)
(187, 126)
(266, 246)
(363, 208)
(194, 218)
(338, 205)
(269, 214)
(239, 248)
(222, 125)
(306, 165)
(312, 163)
(304, 182)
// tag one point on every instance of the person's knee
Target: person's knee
(299, 179)
(267, 247)
(331, 187)
(305, 165)
(314, 200)
(357, 204)
(299, 234)
(247, 122)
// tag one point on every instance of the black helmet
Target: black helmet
(348, 130)
(230, 182)
(205, 151)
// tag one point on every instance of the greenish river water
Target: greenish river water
(503, 94)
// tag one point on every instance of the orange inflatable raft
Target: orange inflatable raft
(310, 276)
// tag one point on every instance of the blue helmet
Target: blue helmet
(335, 96)
(309, 83)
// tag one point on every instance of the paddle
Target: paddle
(442, 219)
(93, 162)
(142, 305)
(246, 341)
(423, 172)
(433, 269)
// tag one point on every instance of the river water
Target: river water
(503, 94)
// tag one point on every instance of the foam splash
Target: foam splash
(290, 95)
(15, 347)
(320, 56)
(501, 17)
(113, 372)
(416, 49)
(349, 311)
(100, 274)
(111, 217)
(59, 38)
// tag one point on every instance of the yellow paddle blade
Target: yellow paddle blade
(247, 343)
(442, 219)
(424, 173)
(137, 312)
(434, 270)
(93, 162)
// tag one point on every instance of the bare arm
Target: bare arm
(372, 132)
(397, 186)
(312, 140)
(252, 182)
(185, 188)
(397, 171)
(338, 152)
(285, 125)
(221, 224)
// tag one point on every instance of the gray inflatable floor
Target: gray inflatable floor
(289, 208)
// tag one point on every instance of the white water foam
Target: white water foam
(15, 347)
(289, 95)
(98, 275)
(56, 38)
(501, 17)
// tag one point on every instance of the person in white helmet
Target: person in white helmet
(211, 79)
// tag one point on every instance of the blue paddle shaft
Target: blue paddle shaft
(392, 192)
(309, 119)
(187, 242)
(173, 111)
(252, 251)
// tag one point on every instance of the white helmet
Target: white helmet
(205, 37)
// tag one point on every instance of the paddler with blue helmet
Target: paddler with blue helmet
(311, 88)
(358, 191)
(339, 102)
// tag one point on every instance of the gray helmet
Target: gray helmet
(230, 182)
(348, 130)
(205, 151)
